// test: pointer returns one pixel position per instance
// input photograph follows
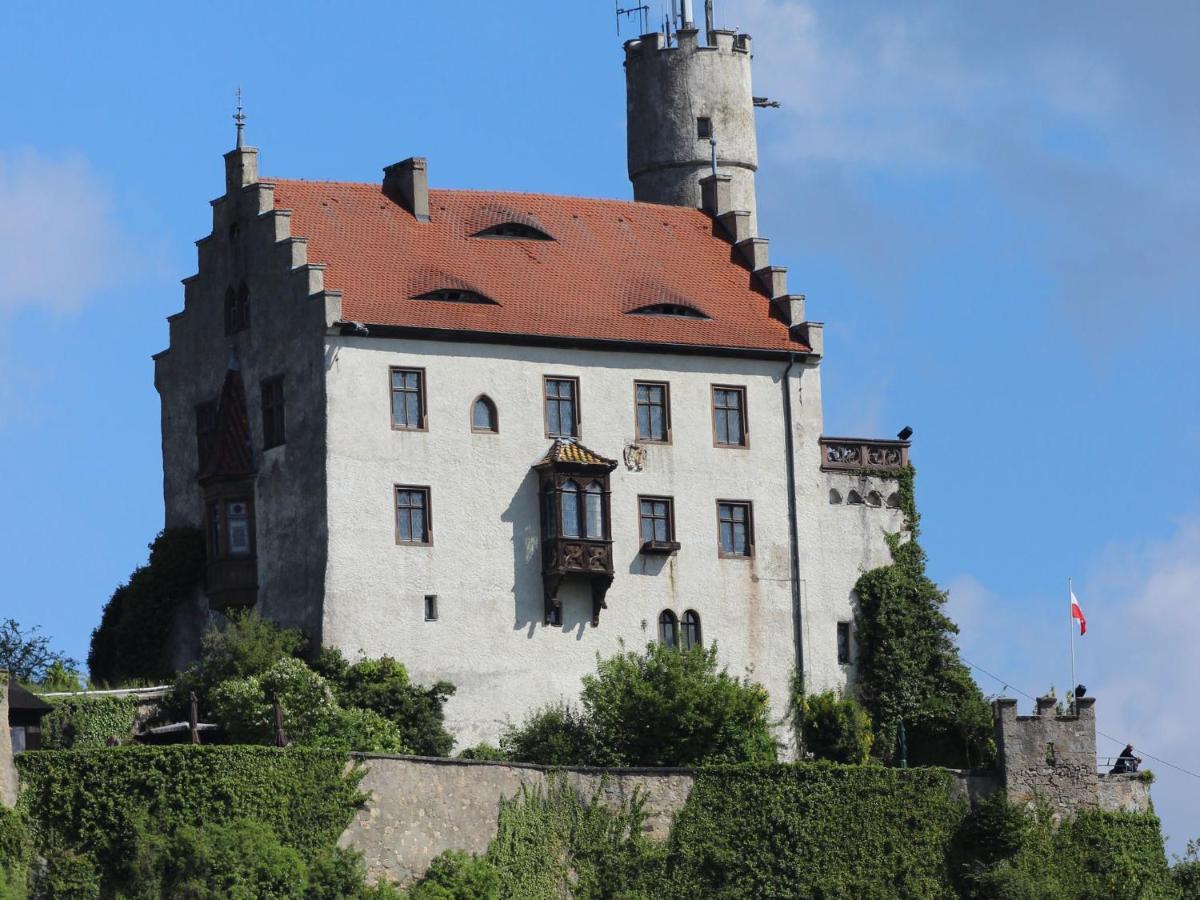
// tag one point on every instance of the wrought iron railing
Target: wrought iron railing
(865, 454)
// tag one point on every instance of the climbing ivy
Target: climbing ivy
(908, 665)
(133, 639)
(87, 721)
(99, 804)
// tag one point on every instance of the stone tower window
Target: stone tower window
(703, 128)
(237, 309)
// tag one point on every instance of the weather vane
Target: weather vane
(240, 118)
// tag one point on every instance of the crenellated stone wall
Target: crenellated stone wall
(1048, 758)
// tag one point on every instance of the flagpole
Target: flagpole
(1071, 625)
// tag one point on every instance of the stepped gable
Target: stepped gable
(580, 284)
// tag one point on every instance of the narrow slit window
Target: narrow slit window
(703, 128)
(412, 515)
(431, 608)
(653, 411)
(843, 643)
(736, 533)
(272, 412)
(729, 416)
(408, 399)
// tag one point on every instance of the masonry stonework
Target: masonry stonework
(8, 773)
(1048, 758)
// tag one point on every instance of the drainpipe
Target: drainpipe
(793, 535)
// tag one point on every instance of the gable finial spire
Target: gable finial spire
(240, 118)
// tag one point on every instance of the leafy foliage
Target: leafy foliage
(909, 668)
(458, 876)
(87, 721)
(14, 854)
(834, 728)
(97, 804)
(26, 653)
(558, 734)
(133, 638)
(814, 830)
(661, 707)
(383, 687)
(1186, 872)
(553, 844)
(312, 717)
(483, 751)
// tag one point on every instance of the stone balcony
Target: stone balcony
(840, 454)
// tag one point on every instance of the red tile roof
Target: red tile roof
(607, 257)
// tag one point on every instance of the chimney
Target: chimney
(407, 183)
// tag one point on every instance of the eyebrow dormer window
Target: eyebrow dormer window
(455, 295)
(517, 231)
(678, 310)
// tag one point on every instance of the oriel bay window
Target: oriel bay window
(232, 576)
(576, 523)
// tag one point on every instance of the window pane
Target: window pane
(734, 427)
(739, 539)
(643, 393)
(660, 529)
(667, 628)
(594, 508)
(570, 510)
(647, 528)
(566, 416)
(726, 537)
(418, 524)
(658, 428)
(482, 417)
(643, 418)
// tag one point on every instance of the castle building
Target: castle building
(496, 434)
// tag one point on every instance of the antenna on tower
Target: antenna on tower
(642, 12)
(239, 118)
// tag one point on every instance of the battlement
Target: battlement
(1048, 757)
(688, 41)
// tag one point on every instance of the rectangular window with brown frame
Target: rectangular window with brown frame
(408, 399)
(730, 428)
(413, 522)
(206, 430)
(735, 524)
(562, 405)
(653, 402)
(656, 523)
(272, 412)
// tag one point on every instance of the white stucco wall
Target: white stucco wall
(484, 564)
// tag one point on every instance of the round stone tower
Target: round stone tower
(680, 99)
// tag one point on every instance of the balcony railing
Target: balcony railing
(862, 454)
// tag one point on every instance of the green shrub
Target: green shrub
(555, 735)
(484, 751)
(87, 721)
(1186, 872)
(67, 874)
(666, 707)
(132, 640)
(835, 729)
(15, 854)
(311, 715)
(458, 876)
(383, 686)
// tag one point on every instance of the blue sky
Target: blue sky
(995, 208)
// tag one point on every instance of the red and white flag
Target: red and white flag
(1077, 613)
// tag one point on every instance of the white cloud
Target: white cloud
(60, 242)
(1138, 658)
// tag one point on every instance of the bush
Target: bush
(311, 715)
(383, 686)
(835, 729)
(14, 854)
(668, 707)
(87, 721)
(484, 751)
(458, 876)
(555, 735)
(1186, 872)
(132, 640)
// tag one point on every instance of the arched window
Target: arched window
(854, 499)
(483, 415)
(834, 496)
(593, 520)
(668, 629)
(893, 501)
(873, 499)
(691, 629)
(570, 509)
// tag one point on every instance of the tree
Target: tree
(908, 663)
(26, 654)
(558, 734)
